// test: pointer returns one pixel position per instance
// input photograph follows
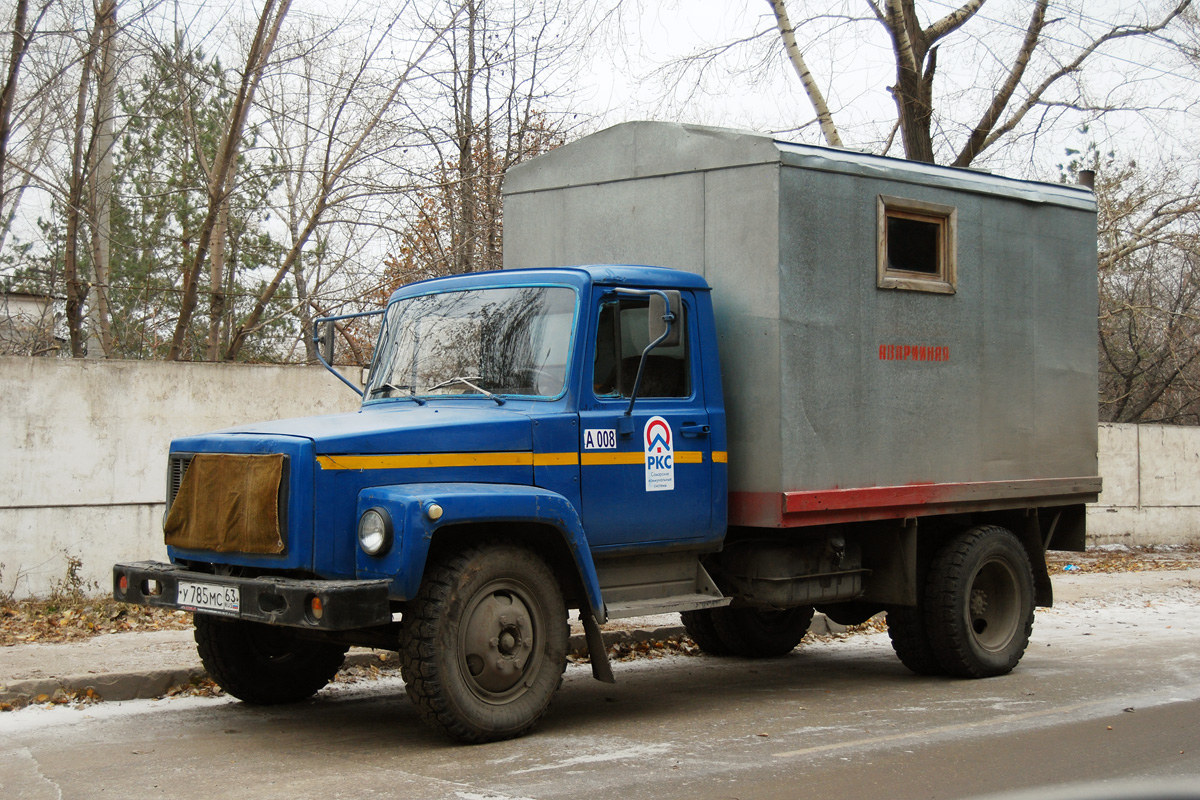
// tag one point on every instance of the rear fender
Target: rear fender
(411, 511)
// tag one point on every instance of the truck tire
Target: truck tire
(484, 642)
(264, 664)
(906, 629)
(979, 603)
(757, 633)
(699, 625)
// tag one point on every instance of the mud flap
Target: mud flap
(601, 669)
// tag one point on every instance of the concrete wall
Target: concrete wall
(83, 451)
(1151, 486)
(83, 455)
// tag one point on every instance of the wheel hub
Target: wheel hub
(994, 613)
(979, 603)
(497, 642)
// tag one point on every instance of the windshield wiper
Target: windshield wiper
(412, 392)
(467, 381)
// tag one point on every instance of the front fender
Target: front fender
(408, 506)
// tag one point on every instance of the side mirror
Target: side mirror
(658, 323)
(324, 338)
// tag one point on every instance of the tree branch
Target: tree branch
(1035, 97)
(952, 21)
(828, 129)
(975, 142)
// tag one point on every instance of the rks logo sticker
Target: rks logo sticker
(660, 455)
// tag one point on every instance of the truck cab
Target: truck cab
(566, 420)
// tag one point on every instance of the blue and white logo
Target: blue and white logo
(660, 455)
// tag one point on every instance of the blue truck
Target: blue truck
(896, 415)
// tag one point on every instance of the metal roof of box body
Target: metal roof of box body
(786, 236)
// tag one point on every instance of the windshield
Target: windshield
(503, 341)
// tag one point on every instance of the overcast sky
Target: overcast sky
(751, 85)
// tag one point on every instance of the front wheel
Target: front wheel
(979, 603)
(264, 664)
(485, 643)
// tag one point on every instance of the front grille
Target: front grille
(177, 465)
(230, 481)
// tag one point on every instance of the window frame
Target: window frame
(683, 317)
(944, 280)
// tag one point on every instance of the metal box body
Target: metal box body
(818, 396)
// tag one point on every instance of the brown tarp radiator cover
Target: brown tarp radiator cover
(228, 503)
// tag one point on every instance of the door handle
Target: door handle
(692, 430)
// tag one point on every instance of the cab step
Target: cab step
(636, 586)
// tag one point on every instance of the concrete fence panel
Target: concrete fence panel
(84, 447)
(84, 443)
(1151, 486)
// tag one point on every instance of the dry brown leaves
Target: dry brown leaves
(29, 621)
(61, 697)
(1125, 559)
(204, 687)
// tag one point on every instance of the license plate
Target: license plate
(209, 597)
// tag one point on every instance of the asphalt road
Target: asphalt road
(839, 718)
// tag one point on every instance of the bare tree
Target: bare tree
(1149, 227)
(788, 34)
(1019, 73)
(1149, 323)
(221, 173)
(346, 139)
(502, 63)
(62, 112)
(100, 184)
(22, 35)
(83, 144)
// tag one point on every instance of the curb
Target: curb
(108, 686)
(116, 686)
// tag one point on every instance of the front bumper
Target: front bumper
(344, 605)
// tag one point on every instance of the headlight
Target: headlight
(375, 531)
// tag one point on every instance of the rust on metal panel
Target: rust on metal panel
(796, 509)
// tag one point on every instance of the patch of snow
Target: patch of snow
(602, 754)
(50, 716)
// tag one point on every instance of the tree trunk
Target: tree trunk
(305, 311)
(100, 185)
(217, 266)
(220, 184)
(913, 91)
(8, 94)
(76, 283)
(464, 236)
(788, 32)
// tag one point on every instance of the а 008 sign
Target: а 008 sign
(600, 439)
(660, 455)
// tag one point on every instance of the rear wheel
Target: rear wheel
(264, 664)
(759, 633)
(979, 603)
(485, 643)
(699, 625)
(906, 629)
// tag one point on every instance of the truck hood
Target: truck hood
(401, 428)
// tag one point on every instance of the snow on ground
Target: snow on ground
(1117, 609)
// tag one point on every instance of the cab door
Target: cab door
(646, 477)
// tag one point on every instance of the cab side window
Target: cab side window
(622, 334)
